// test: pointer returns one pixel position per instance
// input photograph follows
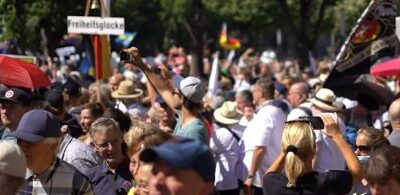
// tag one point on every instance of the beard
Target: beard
(5, 122)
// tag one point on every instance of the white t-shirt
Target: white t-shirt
(264, 130)
(224, 146)
(329, 155)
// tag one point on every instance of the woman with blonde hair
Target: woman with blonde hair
(137, 138)
(368, 140)
(298, 144)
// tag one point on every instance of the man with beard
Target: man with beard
(14, 103)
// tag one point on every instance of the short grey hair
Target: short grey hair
(104, 124)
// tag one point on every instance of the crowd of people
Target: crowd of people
(152, 128)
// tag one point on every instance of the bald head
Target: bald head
(394, 112)
(298, 93)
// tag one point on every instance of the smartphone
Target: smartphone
(315, 121)
(125, 56)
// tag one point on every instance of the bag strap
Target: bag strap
(235, 135)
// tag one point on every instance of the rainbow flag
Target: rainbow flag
(102, 54)
(228, 42)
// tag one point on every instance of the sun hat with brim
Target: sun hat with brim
(227, 113)
(324, 99)
(127, 90)
(184, 153)
(12, 160)
(37, 125)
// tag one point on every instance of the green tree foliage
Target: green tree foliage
(24, 20)
(191, 23)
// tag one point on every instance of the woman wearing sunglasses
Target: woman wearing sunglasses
(298, 144)
(368, 140)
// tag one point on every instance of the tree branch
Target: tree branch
(288, 15)
(316, 29)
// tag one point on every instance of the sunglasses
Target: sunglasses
(364, 148)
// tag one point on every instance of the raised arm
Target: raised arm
(333, 131)
(278, 164)
(160, 84)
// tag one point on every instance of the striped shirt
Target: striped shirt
(60, 178)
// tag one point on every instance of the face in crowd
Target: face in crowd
(362, 145)
(11, 113)
(107, 139)
(87, 118)
(141, 172)
(35, 152)
(167, 180)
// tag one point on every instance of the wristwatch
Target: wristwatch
(249, 176)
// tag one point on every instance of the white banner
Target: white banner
(96, 25)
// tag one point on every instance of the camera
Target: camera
(315, 121)
(125, 56)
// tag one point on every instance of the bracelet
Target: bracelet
(250, 177)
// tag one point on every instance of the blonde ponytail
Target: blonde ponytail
(298, 144)
(294, 167)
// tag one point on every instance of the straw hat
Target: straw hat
(227, 113)
(324, 99)
(127, 90)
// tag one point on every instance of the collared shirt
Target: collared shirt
(60, 178)
(264, 130)
(5, 134)
(105, 181)
(78, 154)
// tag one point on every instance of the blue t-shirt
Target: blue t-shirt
(195, 130)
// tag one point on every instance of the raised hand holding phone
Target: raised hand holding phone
(331, 125)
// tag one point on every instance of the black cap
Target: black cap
(17, 96)
(72, 88)
(55, 98)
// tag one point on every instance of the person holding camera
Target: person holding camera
(298, 150)
(185, 95)
(328, 155)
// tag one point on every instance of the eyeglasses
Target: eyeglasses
(113, 142)
(364, 148)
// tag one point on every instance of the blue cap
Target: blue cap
(184, 154)
(37, 125)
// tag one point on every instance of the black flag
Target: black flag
(373, 38)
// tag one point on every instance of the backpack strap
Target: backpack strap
(235, 135)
